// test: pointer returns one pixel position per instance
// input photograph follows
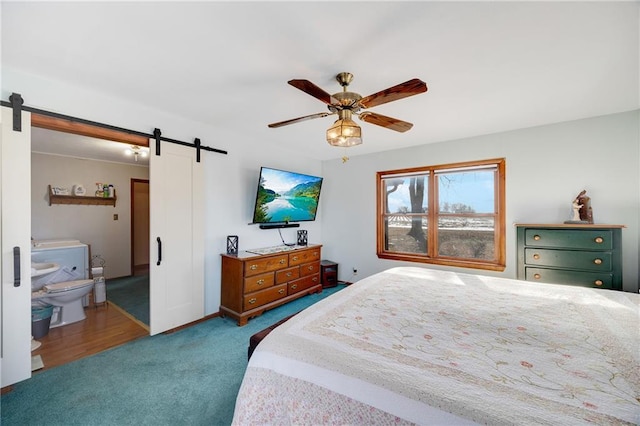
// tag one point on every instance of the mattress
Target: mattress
(419, 346)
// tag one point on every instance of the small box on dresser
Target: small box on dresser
(252, 283)
(586, 255)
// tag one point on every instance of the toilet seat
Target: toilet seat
(66, 286)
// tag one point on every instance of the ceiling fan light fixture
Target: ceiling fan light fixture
(345, 133)
(136, 151)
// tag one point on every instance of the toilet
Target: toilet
(65, 287)
(67, 298)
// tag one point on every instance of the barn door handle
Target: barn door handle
(159, 251)
(16, 266)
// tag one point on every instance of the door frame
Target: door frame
(133, 182)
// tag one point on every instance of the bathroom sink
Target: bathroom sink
(38, 269)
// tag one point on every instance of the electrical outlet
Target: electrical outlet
(355, 271)
(115, 216)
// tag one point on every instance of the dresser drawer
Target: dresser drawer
(586, 279)
(263, 297)
(258, 282)
(304, 257)
(304, 283)
(569, 259)
(287, 275)
(309, 269)
(569, 238)
(265, 264)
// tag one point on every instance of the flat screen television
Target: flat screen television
(284, 197)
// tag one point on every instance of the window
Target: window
(452, 214)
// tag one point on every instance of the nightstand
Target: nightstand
(328, 273)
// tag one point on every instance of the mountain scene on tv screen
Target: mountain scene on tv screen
(286, 197)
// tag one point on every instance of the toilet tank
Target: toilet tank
(67, 253)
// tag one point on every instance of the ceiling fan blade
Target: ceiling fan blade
(313, 90)
(299, 119)
(403, 90)
(384, 121)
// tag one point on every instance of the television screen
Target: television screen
(284, 197)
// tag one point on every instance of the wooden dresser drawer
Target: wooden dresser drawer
(586, 279)
(258, 282)
(252, 283)
(570, 238)
(304, 283)
(310, 269)
(287, 275)
(304, 257)
(265, 264)
(263, 297)
(578, 254)
(569, 259)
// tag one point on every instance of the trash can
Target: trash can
(40, 320)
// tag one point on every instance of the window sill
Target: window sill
(459, 263)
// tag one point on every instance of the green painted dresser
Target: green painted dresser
(578, 254)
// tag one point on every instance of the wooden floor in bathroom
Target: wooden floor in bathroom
(105, 327)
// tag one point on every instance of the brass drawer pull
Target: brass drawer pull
(598, 282)
(281, 291)
(252, 301)
(259, 282)
(599, 240)
(310, 267)
(294, 258)
(283, 261)
(597, 261)
(289, 274)
(294, 286)
(536, 237)
(536, 256)
(253, 267)
(536, 276)
(314, 279)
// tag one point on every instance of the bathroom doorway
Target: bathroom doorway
(139, 227)
(105, 326)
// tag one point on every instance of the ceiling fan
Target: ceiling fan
(345, 132)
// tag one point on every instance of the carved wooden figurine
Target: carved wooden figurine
(586, 213)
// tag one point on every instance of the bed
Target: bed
(415, 345)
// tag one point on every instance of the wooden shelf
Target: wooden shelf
(87, 201)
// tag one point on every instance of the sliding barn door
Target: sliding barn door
(15, 228)
(176, 199)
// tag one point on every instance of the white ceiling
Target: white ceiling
(489, 66)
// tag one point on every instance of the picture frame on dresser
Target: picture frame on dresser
(588, 255)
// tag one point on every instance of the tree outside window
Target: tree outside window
(449, 214)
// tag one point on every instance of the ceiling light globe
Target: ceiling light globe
(344, 133)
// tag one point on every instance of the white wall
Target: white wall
(547, 167)
(90, 224)
(231, 180)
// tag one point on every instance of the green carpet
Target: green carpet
(131, 294)
(190, 377)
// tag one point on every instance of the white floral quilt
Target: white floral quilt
(420, 346)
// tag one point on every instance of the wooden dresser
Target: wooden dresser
(253, 283)
(578, 254)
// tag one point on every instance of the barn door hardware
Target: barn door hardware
(159, 251)
(156, 135)
(16, 104)
(16, 267)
